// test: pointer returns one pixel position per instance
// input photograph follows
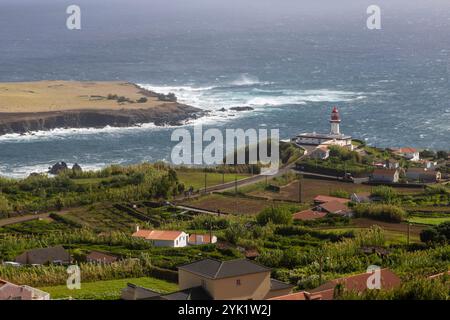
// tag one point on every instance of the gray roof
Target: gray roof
(44, 255)
(215, 269)
(195, 293)
(279, 285)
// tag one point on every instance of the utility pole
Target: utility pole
(235, 193)
(407, 237)
(320, 269)
(300, 188)
(205, 179)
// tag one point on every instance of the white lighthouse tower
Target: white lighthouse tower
(335, 121)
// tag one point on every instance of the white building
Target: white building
(163, 238)
(335, 137)
(411, 154)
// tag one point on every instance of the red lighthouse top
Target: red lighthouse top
(335, 115)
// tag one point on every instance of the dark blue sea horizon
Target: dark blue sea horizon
(291, 61)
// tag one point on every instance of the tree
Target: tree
(276, 215)
(442, 154)
(436, 234)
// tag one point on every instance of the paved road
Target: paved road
(30, 217)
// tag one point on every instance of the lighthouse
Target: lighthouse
(335, 121)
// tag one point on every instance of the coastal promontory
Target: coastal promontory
(45, 105)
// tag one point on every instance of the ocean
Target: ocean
(290, 61)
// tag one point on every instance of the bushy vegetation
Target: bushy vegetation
(383, 212)
(275, 215)
(416, 289)
(439, 234)
(385, 194)
(341, 161)
(42, 193)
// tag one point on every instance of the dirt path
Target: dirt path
(31, 217)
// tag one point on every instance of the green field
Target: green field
(196, 179)
(108, 290)
(391, 237)
(429, 221)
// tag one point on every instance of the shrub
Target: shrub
(275, 215)
(383, 212)
(436, 234)
(387, 194)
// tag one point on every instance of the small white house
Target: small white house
(163, 238)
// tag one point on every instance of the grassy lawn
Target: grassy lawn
(196, 179)
(428, 221)
(108, 290)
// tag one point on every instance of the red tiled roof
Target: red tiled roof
(384, 172)
(292, 296)
(101, 257)
(157, 234)
(334, 207)
(299, 296)
(407, 150)
(357, 283)
(308, 215)
(323, 199)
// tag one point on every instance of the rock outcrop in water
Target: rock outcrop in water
(58, 167)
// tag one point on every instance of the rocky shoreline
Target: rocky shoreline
(161, 113)
(28, 122)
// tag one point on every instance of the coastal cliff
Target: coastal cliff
(37, 106)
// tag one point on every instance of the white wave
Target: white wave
(217, 97)
(63, 133)
(246, 80)
(23, 171)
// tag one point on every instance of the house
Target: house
(411, 154)
(51, 255)
(356, 283)
(385, 175)
(323, 199)
(198, 239)
(423, 175)
(335, 207)
(100, 257)
(10, 291)
(231, 280)
(392, 164)
(321, 152)
(210, 279)
(309, 214)
(163, 238)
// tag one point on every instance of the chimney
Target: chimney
(137, 228)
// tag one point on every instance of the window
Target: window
(238, 282)
(176, 242)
